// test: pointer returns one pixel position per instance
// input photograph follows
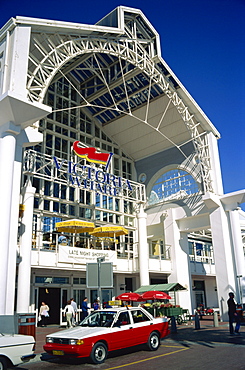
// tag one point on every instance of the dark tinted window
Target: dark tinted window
(139, 316)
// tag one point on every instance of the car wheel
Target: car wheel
(98, 353)
(3, 363)
(153, 341)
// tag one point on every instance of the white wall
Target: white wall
(211, 292)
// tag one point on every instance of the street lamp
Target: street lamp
(99, 261)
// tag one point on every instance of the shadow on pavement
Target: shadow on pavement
(113, 354)
(207, 336)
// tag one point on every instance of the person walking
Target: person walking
(84, 308)
(233, 316)
(74, 305)
(43, 313)
(69, 313)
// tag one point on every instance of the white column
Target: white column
(23, 296)
(238, 247)
(143, 249)
(17, 113)
(17, 63)
(237, 241)
(224, 265)
(12, 251)
(179, 257)
(215, 163)
(7, 154)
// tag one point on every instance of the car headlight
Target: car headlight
(49, 340)
(76, 341)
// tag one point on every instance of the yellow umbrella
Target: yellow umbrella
(74, 226)
(109, 231)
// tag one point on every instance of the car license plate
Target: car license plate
(58, 353)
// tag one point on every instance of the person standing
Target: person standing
(233, 316)
(69, 313)
(62, 239)
(95, 305)
(43, 313)
(106, 305)
(84, 308)
(74, 305)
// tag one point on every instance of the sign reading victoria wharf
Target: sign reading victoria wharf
(91, 177)
(87, 169)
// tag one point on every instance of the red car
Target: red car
(108, 330)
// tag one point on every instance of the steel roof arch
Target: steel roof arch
(51, 61)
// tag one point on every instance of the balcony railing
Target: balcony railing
(163, 255)
(123, 250)
(202, 259)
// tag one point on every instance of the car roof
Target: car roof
(117, 309)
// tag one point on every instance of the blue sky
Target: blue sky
(203, 41)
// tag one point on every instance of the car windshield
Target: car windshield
(99, 318)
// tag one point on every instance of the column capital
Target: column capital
(141, 213)
(9, 128)
(28, 188)
(211, 200)
(232, 201)
(19, 110)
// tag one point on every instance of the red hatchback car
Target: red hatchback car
(108, 330)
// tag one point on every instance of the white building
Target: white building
(107, 87)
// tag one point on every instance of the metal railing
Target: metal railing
(202, 259)
(123, 250)
(165, 255)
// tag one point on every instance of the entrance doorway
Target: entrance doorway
(200, 298)
(51, 296)
(199, 292)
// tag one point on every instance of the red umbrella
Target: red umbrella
(129, 297)
(154, 294)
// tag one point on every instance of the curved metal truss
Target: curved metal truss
(49, 58)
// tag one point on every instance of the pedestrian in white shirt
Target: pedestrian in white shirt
(74, 305)
(69, 313)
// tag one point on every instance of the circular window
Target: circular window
(142, 178)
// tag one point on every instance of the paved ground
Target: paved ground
(185, 332)
(189, 348)
(207, 333)
(41, 336)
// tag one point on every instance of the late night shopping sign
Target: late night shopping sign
(90, 177)
(83, 255)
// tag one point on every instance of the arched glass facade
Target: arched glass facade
(174, 184)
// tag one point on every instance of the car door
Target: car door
(142, 326)
(122, 332)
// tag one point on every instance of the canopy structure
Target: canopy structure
(171, 287)
(130, 297)
(74, 226)
(155, 295)
(143, 106)
(109, 231)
